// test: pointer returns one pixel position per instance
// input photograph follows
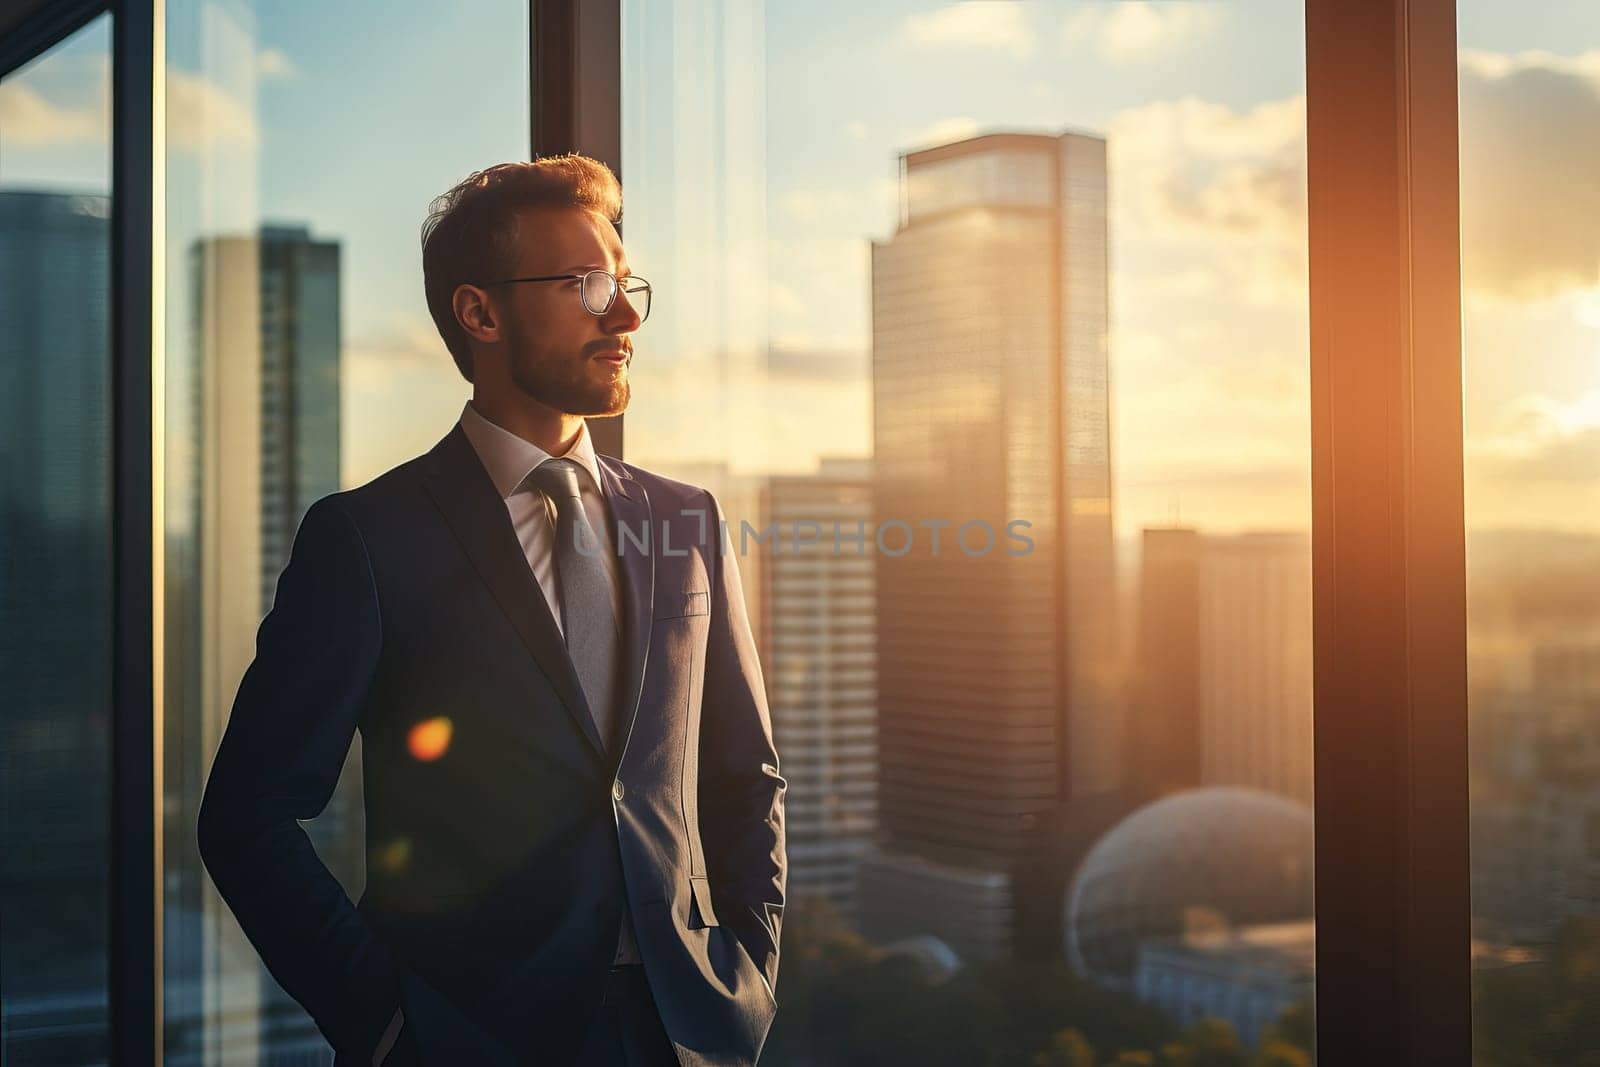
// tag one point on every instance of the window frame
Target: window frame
(1393, 974)
(134, 927)
(138, 353)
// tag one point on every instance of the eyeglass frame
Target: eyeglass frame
(616, 287)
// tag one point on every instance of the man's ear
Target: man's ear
(474, 313)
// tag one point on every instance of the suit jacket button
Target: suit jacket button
(616, 789)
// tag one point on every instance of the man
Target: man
(575, 833)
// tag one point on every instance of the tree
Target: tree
(1208, 1043)
(1296, 1025)
(1542, 1012)
(1275, 1053)
(1068, 1048)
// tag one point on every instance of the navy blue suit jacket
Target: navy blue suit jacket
(500, 857)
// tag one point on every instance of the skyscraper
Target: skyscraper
(991, 411)
(1224, 663)
(1255, 662)
(300, 392)
(263, 395)
(819, 657)
(55, 622)
(1164, 734)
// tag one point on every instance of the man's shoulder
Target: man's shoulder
(661, 489)
(397, 482)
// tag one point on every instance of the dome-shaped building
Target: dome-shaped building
(935, 960)
(1232, 853)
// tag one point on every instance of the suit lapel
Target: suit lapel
(630, 509)
(472, 506)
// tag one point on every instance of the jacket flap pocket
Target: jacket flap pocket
(701, 913)
(672, 605)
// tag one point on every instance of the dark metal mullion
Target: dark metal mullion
(135, 963)
(575, 78)
(551, 64)
(1393, 968)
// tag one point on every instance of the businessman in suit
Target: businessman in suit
(575, 829)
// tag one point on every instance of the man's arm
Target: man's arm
(278, 762)
(741, 791)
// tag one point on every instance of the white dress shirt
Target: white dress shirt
(509, 459)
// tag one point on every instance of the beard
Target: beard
(568, 384)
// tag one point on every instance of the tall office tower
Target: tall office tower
(263, 401)
(300, 391)
(213, 606)
(990, 405)
(818, 652)
(1255, 662)
(1164, 739)
(55, 622)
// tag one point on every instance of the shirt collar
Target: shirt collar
(509, 459)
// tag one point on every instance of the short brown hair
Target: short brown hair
(470, 234)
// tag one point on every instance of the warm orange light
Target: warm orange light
(430, 738)
(394, 856)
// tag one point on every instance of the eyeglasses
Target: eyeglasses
(599, 290)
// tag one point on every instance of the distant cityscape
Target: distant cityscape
(991, 761)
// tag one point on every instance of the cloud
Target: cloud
(1542, 440)
(275, 65)
(990, 26)
(1530, 202)
(200, 113)
(856, 131)
(842, 209)
(825, 287)
(1197, 169)
(408, 342)
(756, 423)
(401, 391)
(810, 206)
(1496, 65)
(788, 363)
(1137, 31)
(30, 118)
(944, 131)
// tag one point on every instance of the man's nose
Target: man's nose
(623, 316)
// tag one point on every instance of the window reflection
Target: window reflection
(300, 360)
(55, 552)
(1039, 262)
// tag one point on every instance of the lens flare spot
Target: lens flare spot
(429, 738)
(394, 856)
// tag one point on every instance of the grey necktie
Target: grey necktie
(588, 621)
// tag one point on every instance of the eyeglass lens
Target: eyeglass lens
(599, 289)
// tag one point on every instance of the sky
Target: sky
(760, 161)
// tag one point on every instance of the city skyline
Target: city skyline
(1530, 441)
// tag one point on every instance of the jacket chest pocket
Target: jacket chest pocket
(676, 605)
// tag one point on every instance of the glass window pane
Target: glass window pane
(1530, 142)
(304, 143)
(987, 324)
(55, 551)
